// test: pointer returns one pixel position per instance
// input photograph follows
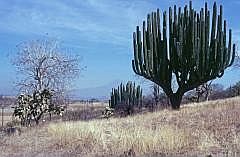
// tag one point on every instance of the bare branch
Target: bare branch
(43, 65)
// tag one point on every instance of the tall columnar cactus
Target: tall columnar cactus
(129, 96)
(192, 50)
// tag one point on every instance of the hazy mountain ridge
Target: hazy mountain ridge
(100, 92)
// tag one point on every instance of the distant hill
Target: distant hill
(100, 92)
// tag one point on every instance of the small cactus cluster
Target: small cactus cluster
(126, 96)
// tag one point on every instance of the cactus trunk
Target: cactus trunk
(175, 100)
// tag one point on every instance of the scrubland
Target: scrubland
(209, 128)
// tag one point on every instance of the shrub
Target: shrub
(32, 107)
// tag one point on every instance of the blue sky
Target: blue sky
(98, 30)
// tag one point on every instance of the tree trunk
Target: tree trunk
(50, 116)
(2, 116)
(37, 121)
(207, 96)
(176, 100)
(198, 97)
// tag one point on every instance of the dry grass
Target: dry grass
(78, 105)
(196, 130)
(114, 136)
(80, 111)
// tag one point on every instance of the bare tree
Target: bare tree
(43, 65)
(201, 93)
(204, 90)
(218, 92)
(234, 90)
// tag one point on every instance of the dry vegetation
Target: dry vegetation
(7, 117)
(196, 130)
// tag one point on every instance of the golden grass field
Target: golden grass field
(196, 130)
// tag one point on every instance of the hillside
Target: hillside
(196, 130)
